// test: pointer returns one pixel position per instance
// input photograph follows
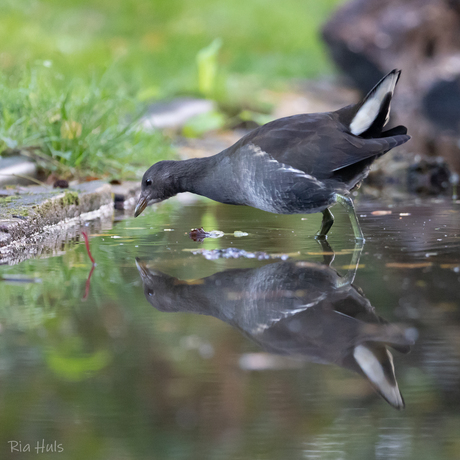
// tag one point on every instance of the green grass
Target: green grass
(72, 71)
(80, 127)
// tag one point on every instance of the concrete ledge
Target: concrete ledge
(40, 217)
(51, 240)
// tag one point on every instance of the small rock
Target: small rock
(429, 176)
(61, 183)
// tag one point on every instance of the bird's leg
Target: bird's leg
(326, 224)
(347, 203)
(354, 263)
(328, 252)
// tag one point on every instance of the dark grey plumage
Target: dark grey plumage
(299, 164)
(300, 309)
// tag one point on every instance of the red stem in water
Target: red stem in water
(88, 282)
(85, 236)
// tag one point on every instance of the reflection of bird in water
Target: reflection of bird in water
(295, 165)
(292, 308)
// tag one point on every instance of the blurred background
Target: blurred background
(104, 88)
(75, 76)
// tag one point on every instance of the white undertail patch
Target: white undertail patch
(370, 109)
(373, 370)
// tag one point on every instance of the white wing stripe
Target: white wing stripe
(283, 167)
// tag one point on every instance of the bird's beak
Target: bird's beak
(144, 271)
(141, 205)
(142, 268)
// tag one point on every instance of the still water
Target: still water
(172, 348)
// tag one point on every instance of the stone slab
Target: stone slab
(35, 217)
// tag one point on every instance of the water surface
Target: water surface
(231, 358)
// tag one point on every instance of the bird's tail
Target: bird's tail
(376, 363)
(372, 114)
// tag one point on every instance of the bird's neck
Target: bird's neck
(194, 175)
(211, 177)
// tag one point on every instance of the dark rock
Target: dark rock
(441, 104)
(429, 176)
(61, 183)
(126, 195)
(119, 201)
(368, 38)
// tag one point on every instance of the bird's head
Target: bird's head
(158, 184)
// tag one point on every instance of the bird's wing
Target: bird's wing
(317, 144)
(270, 185)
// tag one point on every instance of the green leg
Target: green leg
(350, 276)
(328, 252)
(347, 203)
(326, 224)
(329, 255)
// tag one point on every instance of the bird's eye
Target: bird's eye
(148, 182)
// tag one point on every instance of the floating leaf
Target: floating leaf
(408, 265)
(381, 213)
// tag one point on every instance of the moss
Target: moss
(44, 209)
(70, 198)
(53, 206)
(7, 205)
(48, 207)
(8, 199)
(21, 212)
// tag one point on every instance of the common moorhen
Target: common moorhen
(294, 165)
